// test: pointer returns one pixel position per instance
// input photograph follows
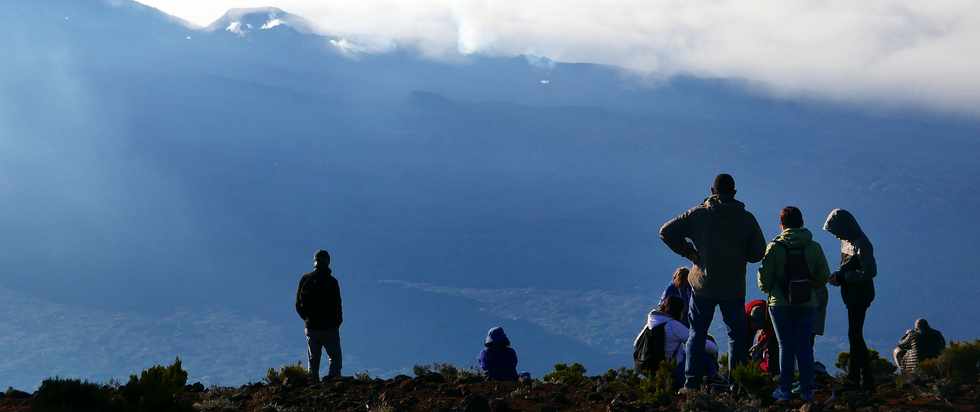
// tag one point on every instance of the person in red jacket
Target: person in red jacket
(765, 347)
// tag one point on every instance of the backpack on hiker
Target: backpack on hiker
(649, 350)
(797, 286)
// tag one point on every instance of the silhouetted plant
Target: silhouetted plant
(293, 373)
(751, 378)
(880, 367)
(960, 363)
(448, 371)
(156, 389)
(573, 374)
(57, 394)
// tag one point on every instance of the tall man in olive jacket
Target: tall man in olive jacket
(318, 304)
(719, 237)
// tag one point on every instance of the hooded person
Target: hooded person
(855, 277)
(720, 238)
(792, 271)
(920, 343)
(498, 360)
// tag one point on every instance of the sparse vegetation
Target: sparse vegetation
(156, 389)
(750, 378)
(292, 374)
(573, 374)
(57, 394)
(959, 363)
(451, 373)
(880, 367)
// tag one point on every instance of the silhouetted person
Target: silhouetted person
(318, 304)
(497, 359)
(918, 344)
(719, 237)
(857, 289)
(681, 288)
(790, 274)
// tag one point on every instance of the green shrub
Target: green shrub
(960, 363)
(362, 376)
(573, 374)
(750, 378)
(294, 373)
(56, 395)
(156, 389)
(880, 367)
(659, 389)
(450, 372)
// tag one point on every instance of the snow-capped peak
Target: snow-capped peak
(243, 22)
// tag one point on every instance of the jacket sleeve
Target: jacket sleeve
(869, 267)
(821, 273)
(756, 246)
(772, 259)
(300, 310)
(906, 341)
(675, 233)
(340, 306)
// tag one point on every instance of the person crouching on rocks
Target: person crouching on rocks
(681, 288)
(918, 344)
(318, 304)
(497, 359)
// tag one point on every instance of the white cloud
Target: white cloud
(903, 51)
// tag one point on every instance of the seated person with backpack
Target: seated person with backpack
(792, 270)
(662, 339)
(918, 344)
(497, 359)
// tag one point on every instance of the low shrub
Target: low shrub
(57, 394)
(573, 374)
(880, 367)
(156, 389)
(659, 389)
(293, 373)
(959, 363)
(752, 379)
(451, 373)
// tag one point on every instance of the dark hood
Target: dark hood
(496, 336)
(842, 224)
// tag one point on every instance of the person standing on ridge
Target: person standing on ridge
(792, 271)
(857, 289)
(720, 238)
(318, 304)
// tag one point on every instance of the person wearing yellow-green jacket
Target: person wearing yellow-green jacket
(792, 272)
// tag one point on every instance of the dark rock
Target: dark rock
(499, 405)
(16, 394)
(476, 403)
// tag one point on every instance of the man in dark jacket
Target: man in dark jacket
(318, 304)
(719, 237)
(857, 289)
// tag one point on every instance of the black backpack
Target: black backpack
(649, 350)
(797, 285)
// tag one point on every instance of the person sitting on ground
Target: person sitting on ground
(918, 344)
(662, 339)
(497, 359)
(680, 287)
(792, 270)
(858, 268)
(765, 347)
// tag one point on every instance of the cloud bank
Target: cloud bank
(878, 51)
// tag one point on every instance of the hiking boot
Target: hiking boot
(686, 391)
(780, 395)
